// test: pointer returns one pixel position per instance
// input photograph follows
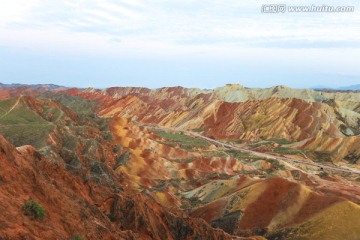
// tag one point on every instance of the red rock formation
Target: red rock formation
(150, 184)
(316, 126)
(74, 208)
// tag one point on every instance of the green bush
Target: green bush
(107, 136)
(33, 209)
(112, 217)
(276, 164)
(76, 237)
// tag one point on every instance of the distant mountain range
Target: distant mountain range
(352, 87)
(35, 86)
(355, 87)
(347, 88)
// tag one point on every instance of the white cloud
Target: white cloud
(15, 11)
(171, 26)
(118, 9)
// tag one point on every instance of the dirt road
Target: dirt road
(260, 154)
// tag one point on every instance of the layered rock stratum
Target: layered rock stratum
(119, 163)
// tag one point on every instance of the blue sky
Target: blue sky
(190, 43)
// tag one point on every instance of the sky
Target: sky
(190, 43)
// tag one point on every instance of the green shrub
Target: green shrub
(198, 129)
(33, 209)
(117, 149)
(276, 164)
(323, 174)
(76, 237)
(112, 217)
(107, 136)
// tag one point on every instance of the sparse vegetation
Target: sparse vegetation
(122, 159)
(238, 141)
(321, 156)
(270, 141)
(34, 134)
(288, 151)
(83, 214)
(281, 141)
(184, 160)
(198, 129)
(270, 175)
(160, 187)
(242, 155)
(323, 174)
(352, 158)
(22, 126)
(184, 141)
(258, 144)
(111, 217)
(107, 136)
(76, 104)
(19, 114)
(76, 237)
(276, 163)
(248, 172)
(33, 209)
(194, 200)
(117, 149)
(212, 153)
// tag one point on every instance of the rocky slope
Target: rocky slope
(72, 178)
(113, 174)
(69, 204)
(77, 208)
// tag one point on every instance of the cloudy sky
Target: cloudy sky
(155, 43)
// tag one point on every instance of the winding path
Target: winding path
(260, 154)
(12, 108)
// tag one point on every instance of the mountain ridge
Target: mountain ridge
(124, 154)
(35, 86)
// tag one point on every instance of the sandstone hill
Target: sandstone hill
(110, 164)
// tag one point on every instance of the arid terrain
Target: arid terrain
(179, 163)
